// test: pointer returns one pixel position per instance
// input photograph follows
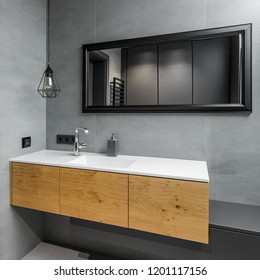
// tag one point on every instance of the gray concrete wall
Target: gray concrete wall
(22, 113)
(230, 143)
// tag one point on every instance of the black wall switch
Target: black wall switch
(26, 142)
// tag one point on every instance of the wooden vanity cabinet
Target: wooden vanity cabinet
(35, 186)
(94, 196)
(169, 207)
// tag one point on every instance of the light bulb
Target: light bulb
(48, 82)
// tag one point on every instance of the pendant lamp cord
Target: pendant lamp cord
(47, 32)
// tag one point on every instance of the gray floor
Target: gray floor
(46, 251)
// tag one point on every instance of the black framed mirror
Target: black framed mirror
(198, 71)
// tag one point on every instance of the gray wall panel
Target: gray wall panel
(120, 19)
(22, 113)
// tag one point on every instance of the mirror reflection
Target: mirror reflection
(198, 72)
(105, 86)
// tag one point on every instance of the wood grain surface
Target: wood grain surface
(169, 207)
(35, 186)
(95, 196)
(11, 182)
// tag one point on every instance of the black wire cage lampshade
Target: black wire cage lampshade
(48, 87)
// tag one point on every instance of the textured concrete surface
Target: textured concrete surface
(22, 113)
(128, 19)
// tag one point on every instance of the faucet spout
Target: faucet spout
(78, 146)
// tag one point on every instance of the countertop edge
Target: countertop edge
(102, 169)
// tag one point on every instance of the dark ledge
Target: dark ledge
(235, 216)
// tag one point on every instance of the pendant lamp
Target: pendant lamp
(48, 87)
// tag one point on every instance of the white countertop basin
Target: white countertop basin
(103, 161)
(191, 170)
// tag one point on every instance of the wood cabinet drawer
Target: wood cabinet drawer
(35, 186)
(95, 196)
(169, 207)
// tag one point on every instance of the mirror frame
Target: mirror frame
(246, 96)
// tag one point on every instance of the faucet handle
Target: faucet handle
(81, 128)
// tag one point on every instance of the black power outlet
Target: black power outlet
(65, 139)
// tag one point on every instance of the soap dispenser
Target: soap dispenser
(112, 146)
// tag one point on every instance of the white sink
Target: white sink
(102, 161)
